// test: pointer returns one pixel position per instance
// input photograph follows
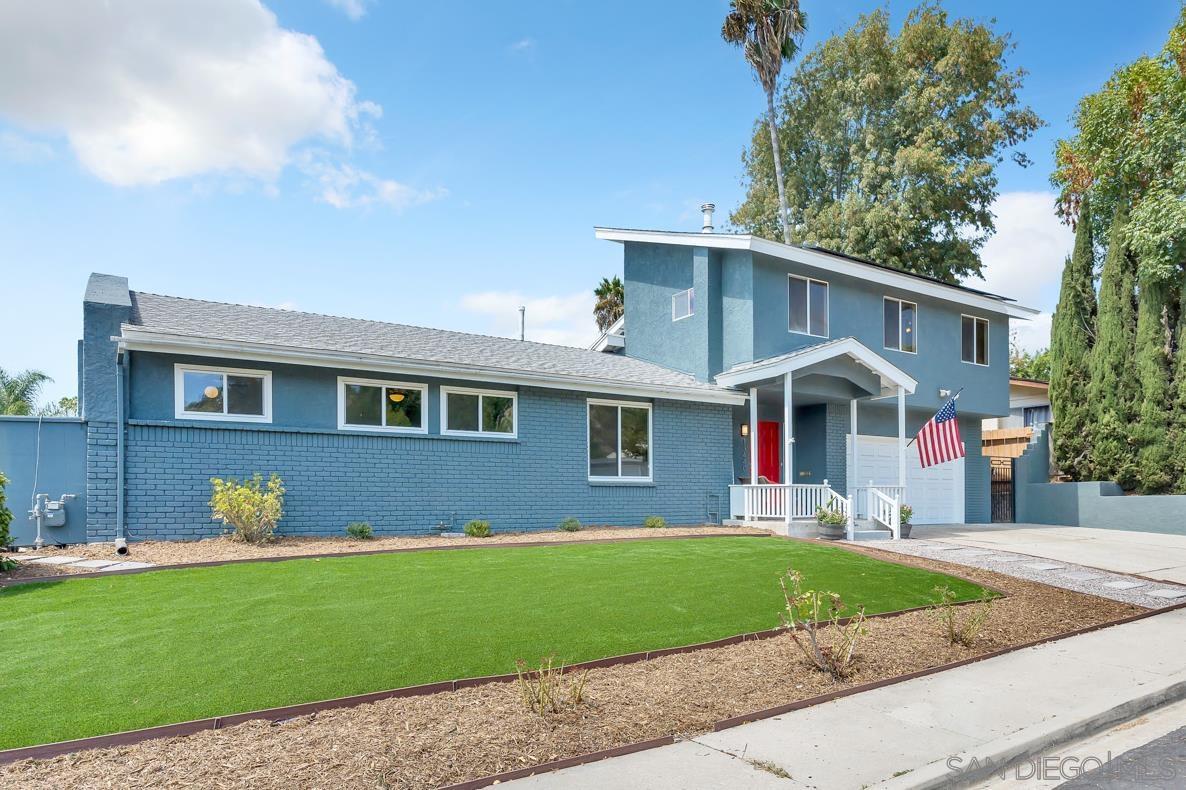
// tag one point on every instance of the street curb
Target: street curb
(990, 758)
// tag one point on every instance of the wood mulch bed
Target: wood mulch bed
(449, 737)
(163, 552)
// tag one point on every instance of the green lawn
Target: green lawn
(90, 656)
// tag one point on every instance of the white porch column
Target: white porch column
(851, 477)
(901, 436)
(753, 435)
(788, 431)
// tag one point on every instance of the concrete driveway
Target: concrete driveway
(1155, 555)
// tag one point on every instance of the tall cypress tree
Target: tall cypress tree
(1072, 332)
(1177, 411)
(1149, 434)
(1114, 390)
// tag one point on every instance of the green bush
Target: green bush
(907, 513)
(250, 507)
(5, 515)
(831, 514)
(360, 530)
(478, 528)
(654, 522)
(569, 524)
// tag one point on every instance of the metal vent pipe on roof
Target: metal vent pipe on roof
(707, 208)
(522, 322)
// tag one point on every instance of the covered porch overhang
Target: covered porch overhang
(837, 371)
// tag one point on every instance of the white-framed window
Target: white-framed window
(974, 340)
(202, 392)
(470, 412)
(807, 300)
(375, 405)
(683, 304)
(901, 325)
(619, 440)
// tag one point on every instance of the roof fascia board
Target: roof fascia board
(137, 339)
(848, 346)
(821, 260)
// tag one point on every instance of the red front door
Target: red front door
(769, 450)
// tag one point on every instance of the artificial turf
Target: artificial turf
(91, 656)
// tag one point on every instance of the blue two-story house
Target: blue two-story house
(735, 354)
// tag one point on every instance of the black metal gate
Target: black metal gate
(1002, 490)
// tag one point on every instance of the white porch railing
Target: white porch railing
(777, 501)
(863, 497)
(886, 511)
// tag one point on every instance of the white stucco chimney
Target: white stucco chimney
(707, 208)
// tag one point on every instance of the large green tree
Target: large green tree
(768, 32)
(20, 392)
(611, 302)
(1114, 390)
(1072, 333)
(1150, 431)
(890, 143)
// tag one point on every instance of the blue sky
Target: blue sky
(397, 161)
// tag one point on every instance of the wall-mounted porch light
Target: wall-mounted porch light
(745, 429)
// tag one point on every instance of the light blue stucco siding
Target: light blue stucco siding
(410, 484)
(46, 456)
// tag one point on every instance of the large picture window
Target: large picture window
(974, 341)
(369, 405)
(469, 412)
(619, 441)
(901, 330)
(209, 393)
(808, 303)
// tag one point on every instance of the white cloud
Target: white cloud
(523, 45)
(355, 9)
(147, 92)
(345, 186)
(563, 320)
(1024, 259)
(23, 150)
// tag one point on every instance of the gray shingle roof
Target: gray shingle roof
(313, 332)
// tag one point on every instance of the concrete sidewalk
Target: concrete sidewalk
(903, 735)
(1149, 554)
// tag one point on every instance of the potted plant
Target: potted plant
(904, 521)
(833, 524)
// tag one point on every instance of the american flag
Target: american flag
(939, 440)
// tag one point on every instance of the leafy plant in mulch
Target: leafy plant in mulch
(549, 689)
(569, 524)
(360, 530)
(477, 528)
(251, 508)
(809, 613)
(961, 624)
(654, 522)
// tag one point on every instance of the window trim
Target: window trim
(827, 305)
(179, 412)
(407, 385)
(513, 395)
(901, 302)
(691, 292)
(650, 478)
(987, 334)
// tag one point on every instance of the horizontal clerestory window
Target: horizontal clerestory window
(470, 412)
(373, 405)
(212, 393)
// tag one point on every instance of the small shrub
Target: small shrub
(478, 528)
(5, 516)
(831, 514)
(961, 624)
(570, 524)
(906, 513)
(654, 522)
(809, 613)
(250, 507)
(8, 564)
(360, 530)
(549, 689)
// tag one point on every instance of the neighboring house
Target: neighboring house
(1029, 410)
(742, 353)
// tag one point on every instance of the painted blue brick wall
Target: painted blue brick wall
(410, 484)
(100, 480)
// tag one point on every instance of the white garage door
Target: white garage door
(935, 493)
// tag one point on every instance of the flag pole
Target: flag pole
(953, 397)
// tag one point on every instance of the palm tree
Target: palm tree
(19, 393)
(611, 302)
(769, 32)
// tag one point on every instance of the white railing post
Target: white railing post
(852, 522)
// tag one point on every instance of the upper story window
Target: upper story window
(808, 305)
(212, 393)
(619, 440)
(974, 340)
(901, 331)
(683, 304)
(368, 405)
(468, 412)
